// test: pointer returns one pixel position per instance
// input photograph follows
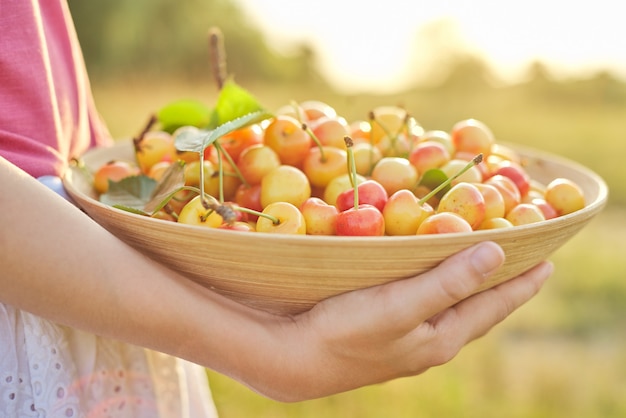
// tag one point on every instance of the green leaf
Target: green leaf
(131, 192)
(214, 120)
(184, 113)
(197, 140)
(190, 138)
(238, 123)
(236, 108)
(433, 178)
(234, 102)
(173, 181)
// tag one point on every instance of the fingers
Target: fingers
(455, 279)
(408, 326)
(451, 329)
(481, 312)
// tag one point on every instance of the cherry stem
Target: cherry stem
(137, 140)
(315, 139)
(201, 156)
(274, 219)
(204, 217)
(227, 212)
(220, 171)
(170, 211)
(172, 196)
(210, 205)
(393, 138)
(217, 56)
(410, 123)
(232, 164)
(352, 170)
(476, 160)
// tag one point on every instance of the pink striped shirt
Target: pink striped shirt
(47, 113)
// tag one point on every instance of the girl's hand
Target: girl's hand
(401, 328)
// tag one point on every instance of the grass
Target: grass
(561, 355)
(498, 376)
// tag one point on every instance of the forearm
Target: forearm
(59, 264)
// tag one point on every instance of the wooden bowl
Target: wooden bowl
(289, 274)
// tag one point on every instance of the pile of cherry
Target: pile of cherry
(307, 170)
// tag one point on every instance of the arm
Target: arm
(61, 265)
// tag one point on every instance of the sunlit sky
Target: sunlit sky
(368, 45)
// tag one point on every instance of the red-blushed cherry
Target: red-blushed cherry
(516, 173)
(115, 170)
(525, 213)
(365, 220)
(322, 164)
(494, 202)
(293, 110)
(360, 131)
(285, 183)
(256, 161)
(473, 136)
(152, 147)
(507, 188)
(565, 196)
(286, 136)
(319, 216)
(395, 173)
(471, 175)
(504, 152)
(159, 169)
(235, 142)
(369, 192)
(366, 156)
(361, 218)
(316, 109)
(444, 223)
(339, 185)
(428, 154)
(238, 226)
(441, 137)
(281, 218)
(495, 223)
(194, 213)
(548, 211)
(465, 200)
(249, 197)
(330, 131)
(404, 213)
(452, 205)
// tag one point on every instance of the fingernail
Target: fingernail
(487, 257)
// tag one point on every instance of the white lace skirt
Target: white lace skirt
(52, 371)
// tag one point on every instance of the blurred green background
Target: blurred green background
(561, 355)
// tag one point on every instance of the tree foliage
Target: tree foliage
(165, 38)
